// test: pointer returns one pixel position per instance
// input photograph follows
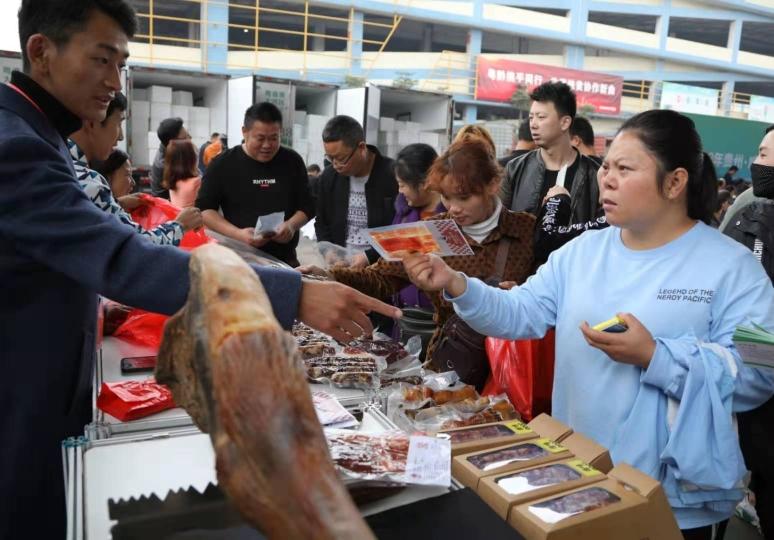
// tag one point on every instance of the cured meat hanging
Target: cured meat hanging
(240, 377)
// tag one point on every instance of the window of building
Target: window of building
(756, 38)
(641, 23)
(413, 36)
(175, 22)
(493, 42)
(709, 31)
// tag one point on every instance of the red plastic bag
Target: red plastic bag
(159, 211)
(524, 370)
(142, 327)
(130, 400)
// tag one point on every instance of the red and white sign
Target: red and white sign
(499, 79)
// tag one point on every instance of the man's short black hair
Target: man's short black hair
(265, 112)
(168, 130)
(118, 103)
(733, 168)
(58, 20)
(345, 129)
(524, 132)
(582, 128)
(313, 168)
(557, 93)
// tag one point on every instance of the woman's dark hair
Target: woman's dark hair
(413, 162)
(468, 165)
(180, 162)
(674, 142)
(724, 196)
(115, 161)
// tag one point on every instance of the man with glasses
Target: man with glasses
(257, 178)
(169, 129)
(356, 192)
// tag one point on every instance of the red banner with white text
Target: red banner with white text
(499, 79)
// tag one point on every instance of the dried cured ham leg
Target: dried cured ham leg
(240, 376)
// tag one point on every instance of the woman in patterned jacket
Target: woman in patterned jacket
(468, 178)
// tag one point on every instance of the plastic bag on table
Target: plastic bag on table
(266, 226)
(158, 211)
(142, 327)
(392, 351)
(130, 400)
(345, 370)
(335, 255)
(524, 370)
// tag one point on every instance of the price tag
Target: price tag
(429, 461)
(582, 467)
(518, 427)
(551, 446)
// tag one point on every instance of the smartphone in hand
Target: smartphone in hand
(614, 326)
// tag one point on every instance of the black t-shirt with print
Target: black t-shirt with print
(245, 189)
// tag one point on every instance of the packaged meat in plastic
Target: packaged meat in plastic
(346, 370)
(505, 456)
(390, 457)
(532, 479)
(572, 504)
(392, 351)
(479, 433)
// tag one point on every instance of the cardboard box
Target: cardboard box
(504, 491)
(474, 438)
(469, 469)
(628, 505)
(181, 97)
(160, 94)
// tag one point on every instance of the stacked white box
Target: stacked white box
(181, 97)
(386, 124)
(299, 133)
(200, 122)
(431, 138)
(140, 119)
(158, 113)
(299, 117)
(140, 94)
(160, 94)
(183, 112)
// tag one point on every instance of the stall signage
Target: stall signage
(498, 79)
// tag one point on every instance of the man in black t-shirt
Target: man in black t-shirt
(257, 178)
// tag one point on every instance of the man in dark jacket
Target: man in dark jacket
(357, 191)
(58, 251)
(555, 162)
(754, 227)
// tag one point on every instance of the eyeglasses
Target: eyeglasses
(341, 162)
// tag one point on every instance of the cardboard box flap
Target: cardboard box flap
(550, 428)
(589, 451)
(635, 479)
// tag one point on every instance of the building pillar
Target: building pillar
(474, 50)
(356, 42)
(470, 115)
(317, 43)
(727, 96)
(214, 37)
(734, 38)
(427, 37)
(574, 55)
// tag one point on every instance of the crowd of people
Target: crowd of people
(561, 238)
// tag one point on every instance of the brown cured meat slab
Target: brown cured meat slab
(240, 377)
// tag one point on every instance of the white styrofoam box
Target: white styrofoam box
(428, 137)
(181, 97)
(182, 111)
(160, 110)
(139, 154)
(153, 139)
(151, 155)
(141, 139)
(299, 132)
(316, 122)
(386, 124)
(200, 115)
(302, 147)
(140, 116)
(406, 137)
(413, 126)
(140, 94)
(160, 94)
(299, 117)
(400, 125)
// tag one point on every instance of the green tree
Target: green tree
(520, 100)
(350, 81)
(404, 80)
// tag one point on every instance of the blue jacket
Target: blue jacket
(57, 252)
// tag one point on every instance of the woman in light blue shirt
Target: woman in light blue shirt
(662, 394)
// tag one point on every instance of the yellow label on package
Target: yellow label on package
(551, 446)
(518, 427)
(582, 467)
